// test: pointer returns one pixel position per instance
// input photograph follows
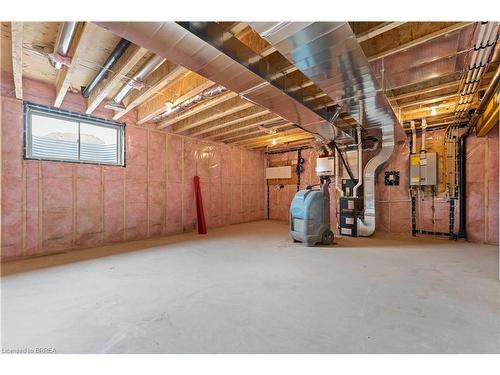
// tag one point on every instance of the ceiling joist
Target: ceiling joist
(269, 137)
(132, 55)
(418, 41)
(233, 105)
(252, 123)
(83, 39)
(252, 133)
(228, 120)
(17, 57)
(377, 30)
(203, 106)
(153, 83)
(280, 140)
(185, 87)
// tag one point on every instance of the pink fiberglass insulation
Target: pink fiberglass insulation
(393, 205)
(50, 207)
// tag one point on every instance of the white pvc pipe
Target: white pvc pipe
(337, 173)
(413, 137)
(424, 127)
(360, 162)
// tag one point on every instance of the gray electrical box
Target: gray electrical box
(423, 169)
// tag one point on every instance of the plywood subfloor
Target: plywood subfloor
(248, 289)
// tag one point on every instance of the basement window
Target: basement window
(57, 135)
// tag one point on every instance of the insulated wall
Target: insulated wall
(482, 188)
(50, 207)
(281, 198)
(393, 204)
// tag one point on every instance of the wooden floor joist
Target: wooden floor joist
(82, 39)
(229, 120)
(17, 57)
(412, 94)
(253, 133)
(228, 107)
(436, 99)
(117, 76)
(279, 140)
(247, 124)
(153, 83)
(204, 105)
(270, 137)
(176, 92)
(418, 41)
(377, 30)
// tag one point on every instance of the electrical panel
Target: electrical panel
(423, 169)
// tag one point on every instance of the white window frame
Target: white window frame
(77, 118)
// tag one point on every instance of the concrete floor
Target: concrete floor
(248, 289)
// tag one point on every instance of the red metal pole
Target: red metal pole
(202, 226)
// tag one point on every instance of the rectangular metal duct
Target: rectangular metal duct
(330, 55)
(181, 46)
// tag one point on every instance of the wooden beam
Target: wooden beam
(442, 109)
(17, 57)
(82, 39)
(176, 92)
(252, 133)
(418, 41)
(203, 106)
(153, 83)
(230, 106)
(132, 55)
(489, 118)
(377, 30)
(428, 101)
(427, 90)
(252, 123)
(233, 105)
(285, 146)
(228, 120)
(279, 140)
(277, 136)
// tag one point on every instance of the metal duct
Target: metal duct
(329, 54)
(366, 225)
(63, 41)
(150, 66)
(115, 55)
(207, 57)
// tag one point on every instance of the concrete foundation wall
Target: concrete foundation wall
(50, 207)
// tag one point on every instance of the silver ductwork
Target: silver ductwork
(328, 53)
(366, 225)
(63, 41)
(149, 67)
(208, 58)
